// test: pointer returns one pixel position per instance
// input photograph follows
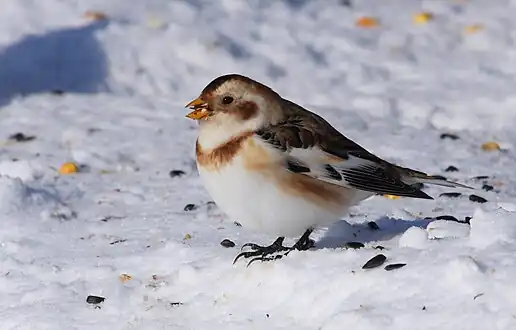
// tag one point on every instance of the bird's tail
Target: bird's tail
(410, 177)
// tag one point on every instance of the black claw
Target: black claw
(246, 255)
(267, 258)
(253, 246)
(274, 251)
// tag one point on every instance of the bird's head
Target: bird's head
(235, 99)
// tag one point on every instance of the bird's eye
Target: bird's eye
(227, 100)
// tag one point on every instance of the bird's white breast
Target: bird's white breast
(255, 199)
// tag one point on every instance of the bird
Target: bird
(275, 167)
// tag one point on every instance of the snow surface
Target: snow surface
(394, 89)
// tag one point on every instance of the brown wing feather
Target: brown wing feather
(303, 129)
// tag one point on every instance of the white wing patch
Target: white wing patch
(353, 172)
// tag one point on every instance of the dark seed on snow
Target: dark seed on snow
(487, 187)
(478, 199)
(190, 207)
(379, 247)
(354, 245)
(237, 224)
(373, 225)
(451, 168)
(375, 261)
(394, 266)
(57, 92)
(94, 300)
(451, 194)
(481, 177)
(227, 243)
(118, 241)
(176, 173)
(345, 3)
(20, 137)
(176, 303)
(447, 217)
(449, 136)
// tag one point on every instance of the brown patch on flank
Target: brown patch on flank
(257, 159)
(247, 110)
(221, 155)
(316, 191)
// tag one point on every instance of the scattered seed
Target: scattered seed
(474, 28)
(94, 300)
(449, 136)
(190, 207)
(423, 17)
(111, 217)
(176, 303)
(490, 146)
(487, 187)
(354, 245)
(20, 137)
(373, 225)
(237, 224)
(379, 247)
(447, 218)
(394, 266)
(125, 278)
(392, 196)
(58, 92)
(424, 308)
(227, 243)
(375, 261)
(69, 168)
(176, 173)
(478, 199)
(267, 315)
(95, 15)
(481, 177)
(187, 237)
(451, 194)
(367, 22)
(451, 168)
(118, 241)
(478, 296)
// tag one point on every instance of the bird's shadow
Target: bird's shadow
(64, 60)
(342, 232)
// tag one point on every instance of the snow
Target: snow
(394, 89)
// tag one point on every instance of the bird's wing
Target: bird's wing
(311, 146)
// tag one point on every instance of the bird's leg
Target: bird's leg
(268, 253)
(262, 251)
(304, 243)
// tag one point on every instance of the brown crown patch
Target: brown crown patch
(217, 82)
(222, 155)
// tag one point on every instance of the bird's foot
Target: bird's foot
(274, 251)
(263, 253)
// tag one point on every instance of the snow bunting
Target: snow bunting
(276, 167)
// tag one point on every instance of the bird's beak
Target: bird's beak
(200, 109)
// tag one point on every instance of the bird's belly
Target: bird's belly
(256, 201)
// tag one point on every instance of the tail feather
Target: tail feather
(412, 177)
